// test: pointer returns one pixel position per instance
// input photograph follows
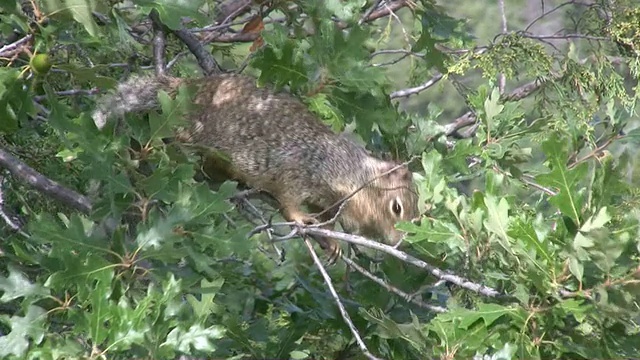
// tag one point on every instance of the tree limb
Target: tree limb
(43, 184)
(158, 42)
(416, 90)
(206, 61)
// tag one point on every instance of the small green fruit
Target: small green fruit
(40, 63)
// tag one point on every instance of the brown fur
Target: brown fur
(274, 143)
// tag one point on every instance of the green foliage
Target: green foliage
(540, 204)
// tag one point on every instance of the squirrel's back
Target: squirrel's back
(274, 143)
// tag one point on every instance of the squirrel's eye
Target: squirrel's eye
(396, 207)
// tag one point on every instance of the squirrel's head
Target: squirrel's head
(374, 211)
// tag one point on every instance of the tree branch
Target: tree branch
(159, 42)
(46, 186)
(206, 61)
(12, 49)
(334, 294)
(416, 90)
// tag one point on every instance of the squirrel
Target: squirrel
(272, 142)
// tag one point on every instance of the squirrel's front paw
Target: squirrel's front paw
(332, 248)
(302, 219)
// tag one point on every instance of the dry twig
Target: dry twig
(343, 311)
(393, 289)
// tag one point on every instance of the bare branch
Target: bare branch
(242, 198)
(224, 26)
(395, 51)
(391, 62)
(343, 311)
(12, 49)
(206, 61)
(416, 90)
(594, 152)
(563, 37)
(175, 59)
(468, 119)
(388, 9)
(366, 15)
(46, 186)
(502, 80)
(159, 42)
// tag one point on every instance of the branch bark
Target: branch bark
(43, 184)
(206, 61)
(159, 41)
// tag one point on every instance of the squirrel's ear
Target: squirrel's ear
(401, 174)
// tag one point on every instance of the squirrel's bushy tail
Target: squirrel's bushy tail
(138, 93)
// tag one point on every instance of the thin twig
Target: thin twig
(395, 51)
(525, 179)
(544, 14)
(302, 230)
(393, 289)
(175, 60)
(593, 152)
(391, 62)
(242, 196)
(343, 311)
